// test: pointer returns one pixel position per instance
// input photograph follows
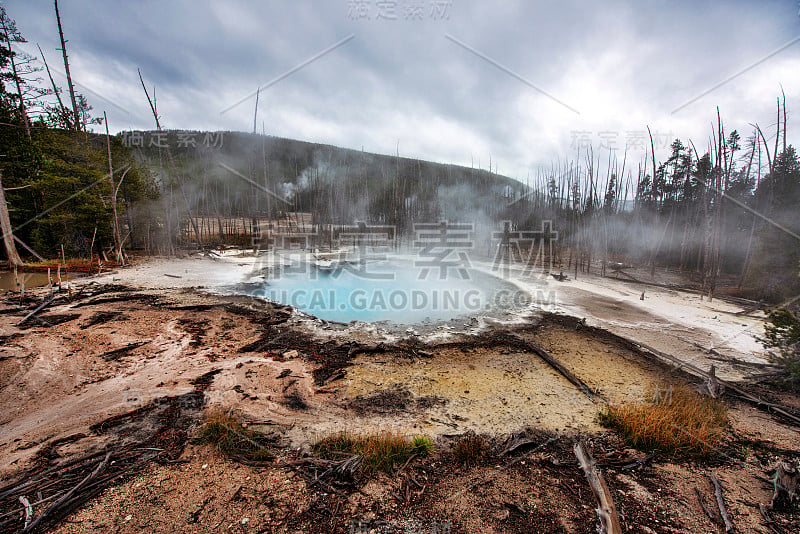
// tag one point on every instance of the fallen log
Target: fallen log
(640, 462)
(116, 354)
(723, 510)
(515, 442)
(341, 373)
(376, 348)
(704, 505)
(45, 303)
(555, 364)
(606, 512)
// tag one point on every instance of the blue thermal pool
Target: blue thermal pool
(395, 291)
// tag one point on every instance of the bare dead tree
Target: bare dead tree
(255, 113)
(115, 222)
(8, 232)
(783, 95)
(658, 243)
(748, 253)
(766, 146)
(56, 92)
(178, 178)
(778, 130)
(75, 112)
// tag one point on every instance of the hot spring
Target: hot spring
(395, 290)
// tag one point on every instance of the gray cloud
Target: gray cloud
(623, 65)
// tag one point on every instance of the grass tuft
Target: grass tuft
(384, 451)
(223, 430)
(422, 445)
(677, 422)
(469, 449)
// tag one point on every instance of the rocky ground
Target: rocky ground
(114, 366)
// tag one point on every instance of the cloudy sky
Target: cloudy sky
(522, 83)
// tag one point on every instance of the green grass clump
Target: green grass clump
(679, 422)
(422, 445)
(224, 431)
(385, 451)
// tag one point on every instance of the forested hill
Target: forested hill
(233, 173)
(59, 194)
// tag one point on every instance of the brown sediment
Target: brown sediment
(176, 352)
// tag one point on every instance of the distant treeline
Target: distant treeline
(730, 212)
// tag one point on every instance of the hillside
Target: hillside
(230, 173)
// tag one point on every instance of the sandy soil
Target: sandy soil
(536, 491)
(107, 351)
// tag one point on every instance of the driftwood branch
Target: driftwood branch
(555, 364)
(97, 470)
(704, 505)
(45, 303)
(28, 510)
(723, 510)
(606, 512)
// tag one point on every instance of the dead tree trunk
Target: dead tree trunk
(76, 115)
(255, 113)
(747, 255)
(115, 222)
(783, 94)
(655, 245)
(5, 224)
(723, 509)
(52, 82)
(171, 161)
